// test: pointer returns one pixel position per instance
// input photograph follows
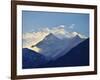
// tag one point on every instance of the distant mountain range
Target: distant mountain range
(52, 47)
(57, 52)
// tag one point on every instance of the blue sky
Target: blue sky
(33, 20)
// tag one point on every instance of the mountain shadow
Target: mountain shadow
(32, 59)
(77, 56)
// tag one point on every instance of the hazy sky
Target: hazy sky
(34, 20)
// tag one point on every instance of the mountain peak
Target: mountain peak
(78, 35)
(51, 36)
(50, 39)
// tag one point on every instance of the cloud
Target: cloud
(58, 30)
(72, 26)
(32, 38)
(61, 26)
(55, 30)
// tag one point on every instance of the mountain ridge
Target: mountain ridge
(78, 56)
(32, 59)
(51, 46)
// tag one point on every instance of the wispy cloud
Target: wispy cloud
(72, 26)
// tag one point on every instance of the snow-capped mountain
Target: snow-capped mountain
(54, 47)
